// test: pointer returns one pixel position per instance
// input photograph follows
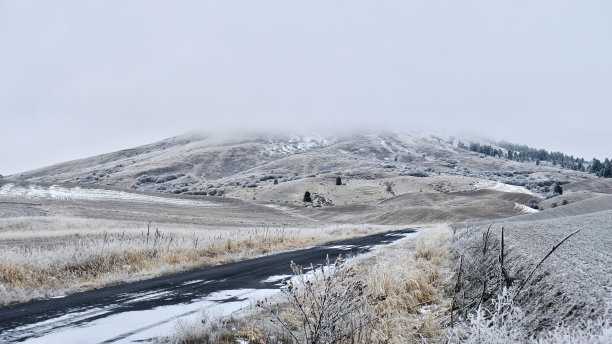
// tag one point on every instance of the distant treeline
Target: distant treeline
(524, 153)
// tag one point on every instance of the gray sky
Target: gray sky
(79, 78)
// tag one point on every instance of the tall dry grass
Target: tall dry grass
(412, 279)
(63, 258)
(402, 291)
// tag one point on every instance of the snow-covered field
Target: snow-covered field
(54, 192)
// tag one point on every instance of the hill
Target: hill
(386, 177)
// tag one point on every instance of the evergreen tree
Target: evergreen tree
(338, 181)
(307, 197)
(606, 170)
(558, 189)
(596, 166)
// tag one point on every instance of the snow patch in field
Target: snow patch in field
(525, 209)
(36, 192)
(497, 186)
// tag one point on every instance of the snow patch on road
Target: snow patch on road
(342, 247)
(36, 192)
(139, 326)
(275, 278)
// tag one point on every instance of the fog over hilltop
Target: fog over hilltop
(80, 79)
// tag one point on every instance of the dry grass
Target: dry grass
(64, 258)
(406, 284)
(412, 278)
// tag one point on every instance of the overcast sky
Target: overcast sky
(79, 78)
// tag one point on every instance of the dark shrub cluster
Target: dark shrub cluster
(158, 179)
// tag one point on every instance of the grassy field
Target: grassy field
(403, 291)
(50, 256)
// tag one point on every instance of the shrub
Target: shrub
(415, 174)
(554, 205)
(338, 181)
(307, 197)
(565, 202)
(558, 189)
(275, 181)
(329, 304)
(533, 204)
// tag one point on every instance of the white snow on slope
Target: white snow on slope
(295, 145)
(525, 209)
(36, 192)
(497, 186)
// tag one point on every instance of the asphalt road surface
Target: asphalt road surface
(136, 311)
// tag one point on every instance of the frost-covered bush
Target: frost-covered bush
(168, 177)
(214, 192)
(534, 204)
(328, 304)
(415, 174)
(504, 324)
(157, 178)
(450, 163)
(268, 177)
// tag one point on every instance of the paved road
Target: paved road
(138, 307)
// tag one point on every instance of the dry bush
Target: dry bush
(504, 324)
(489, 295)
(326, 305)
(481, 269)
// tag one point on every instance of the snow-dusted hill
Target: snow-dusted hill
(216, 165)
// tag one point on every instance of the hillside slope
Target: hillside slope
(573, 284)
(198, 164)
